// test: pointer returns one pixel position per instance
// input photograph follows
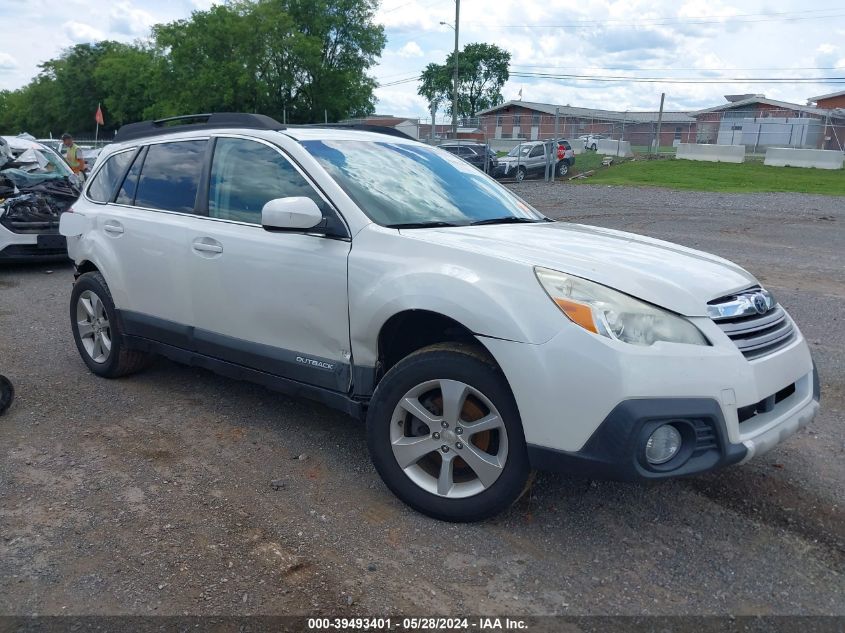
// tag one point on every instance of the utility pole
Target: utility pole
(659, 123)
(455, 87)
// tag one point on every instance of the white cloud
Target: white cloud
(667, 38)
(126, 19)
(7, 62)
(411, 49)
(79, 32)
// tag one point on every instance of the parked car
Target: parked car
(393, 281)
(478, 154)
(36, 187)
(530, 159)
(591, 140)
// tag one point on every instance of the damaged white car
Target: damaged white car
(36, 187)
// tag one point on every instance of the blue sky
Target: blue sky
(683, 39)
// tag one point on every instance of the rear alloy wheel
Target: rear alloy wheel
(93, 326)
(445, 435)
(97, 332)
(562, 168)
(520, 174)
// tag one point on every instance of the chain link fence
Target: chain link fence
(649, 132)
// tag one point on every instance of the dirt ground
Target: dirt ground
(176, 491)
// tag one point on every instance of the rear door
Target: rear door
(144, 230)
(273, 301)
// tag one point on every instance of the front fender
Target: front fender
(492, 297)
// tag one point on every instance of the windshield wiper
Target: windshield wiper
(505, 220)
(419, 225)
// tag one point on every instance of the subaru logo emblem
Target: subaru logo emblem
(759, 302)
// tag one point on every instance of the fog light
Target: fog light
(663, 444)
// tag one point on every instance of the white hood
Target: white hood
(675, 277)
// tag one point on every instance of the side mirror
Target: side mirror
(294, 213)
(7, 394)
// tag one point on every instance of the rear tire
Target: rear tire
(97, 331)
(562, 168)
(454, 396)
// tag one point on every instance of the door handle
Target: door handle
(207, 246)
(113, 228)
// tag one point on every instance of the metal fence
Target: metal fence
(648, 132)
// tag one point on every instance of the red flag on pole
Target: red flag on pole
(98, 117)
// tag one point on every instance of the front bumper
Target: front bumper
(587, 403)
(24, 247)
(616, 450)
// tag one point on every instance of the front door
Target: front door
(273, 301)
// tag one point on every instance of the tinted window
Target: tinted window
(245, 175)
(126, 195)
(170, 176)
(540, 150)
(452, 149)
(106, 179)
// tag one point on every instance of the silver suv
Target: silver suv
(531, 158)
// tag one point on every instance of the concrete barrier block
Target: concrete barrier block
(609, 147)
(711, 153)
(818, 158)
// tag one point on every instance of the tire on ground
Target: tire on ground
(121, 360)
(473, 366)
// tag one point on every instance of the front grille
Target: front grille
(755, 334)
(761, 334)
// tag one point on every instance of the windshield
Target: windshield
(520, 150)
(407, 184)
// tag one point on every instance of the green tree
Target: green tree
(482, 72)
(294, 58)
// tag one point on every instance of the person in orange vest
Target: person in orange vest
(73, 157)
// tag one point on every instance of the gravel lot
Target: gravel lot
(152, 494)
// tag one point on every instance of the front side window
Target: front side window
(104, 182)
(539, 150)
(397, 183)
(245, 175)
(170, 176)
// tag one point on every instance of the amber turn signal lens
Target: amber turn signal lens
(578, 313)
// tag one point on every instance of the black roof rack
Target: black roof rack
(380, 129)
(191, 122)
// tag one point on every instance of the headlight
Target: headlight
(607, 312)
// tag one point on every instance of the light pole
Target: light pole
(456, 28)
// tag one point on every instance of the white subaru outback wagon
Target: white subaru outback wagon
(394, 281)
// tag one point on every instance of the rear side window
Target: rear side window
(245, 175)
(170, 176)
(104, 182)
(126, 194)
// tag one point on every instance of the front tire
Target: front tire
(593, 147)
(97, 331)
(520, 174)
(445, 435)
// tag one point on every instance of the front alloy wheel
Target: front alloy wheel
(449, 439)
(445, 434)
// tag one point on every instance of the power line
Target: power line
(617, 68)
(678, 80)
(786, 16)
